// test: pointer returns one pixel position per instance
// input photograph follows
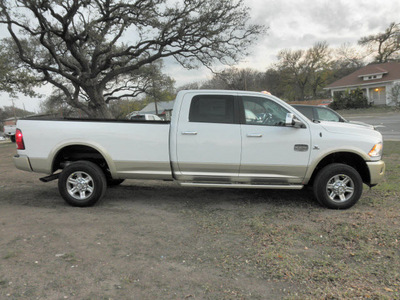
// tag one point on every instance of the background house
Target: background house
(379, 82)
(164, 109)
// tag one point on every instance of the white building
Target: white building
(380, 83)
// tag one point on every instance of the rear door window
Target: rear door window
(212, 109)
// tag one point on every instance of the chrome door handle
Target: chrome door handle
(189, 133)
(254, 135)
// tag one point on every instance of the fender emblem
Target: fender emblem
(301, 147)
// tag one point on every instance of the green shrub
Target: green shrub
(349, 99)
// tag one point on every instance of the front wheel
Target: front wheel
(82, 183)
(338, 186)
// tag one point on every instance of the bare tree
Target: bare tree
(395, 94)
(319, 58)
(385, 45)
(189, 86)
(90, 48)
(13, 77)
(305, 69)
(232, 78)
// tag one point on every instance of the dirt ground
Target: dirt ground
(155, 240)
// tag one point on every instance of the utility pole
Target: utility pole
(15, 114)
(154, 95)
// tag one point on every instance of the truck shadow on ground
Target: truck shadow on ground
(162, 194)
(197, 197)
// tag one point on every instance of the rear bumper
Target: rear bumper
(376, 171)
(22, 162)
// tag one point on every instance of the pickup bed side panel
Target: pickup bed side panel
(132, 150)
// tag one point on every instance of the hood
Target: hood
(351, 128)
(361, 124)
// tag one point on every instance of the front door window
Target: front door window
(262, 111)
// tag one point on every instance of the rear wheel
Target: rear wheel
(82, 183)
(338, 186)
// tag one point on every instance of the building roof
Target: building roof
(390, 71)
(161, 107)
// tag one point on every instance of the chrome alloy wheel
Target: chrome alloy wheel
(80, 185)
(340, 188)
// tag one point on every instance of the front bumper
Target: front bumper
(376, 171)
(22, 162)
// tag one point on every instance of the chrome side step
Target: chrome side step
(50, 177)
(242, 186)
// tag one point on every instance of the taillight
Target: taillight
(19, 140)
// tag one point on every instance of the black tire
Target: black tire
(12, 138)
(114, 182)
(82, 183)
(338, 186)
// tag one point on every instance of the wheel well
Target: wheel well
(347, 158)
(79, 152)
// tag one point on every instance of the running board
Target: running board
(49, 178)
(243, 186)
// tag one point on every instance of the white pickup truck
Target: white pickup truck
(9, 131)
(230, 139)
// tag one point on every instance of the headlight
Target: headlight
(376, 150)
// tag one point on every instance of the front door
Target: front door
(272, 153)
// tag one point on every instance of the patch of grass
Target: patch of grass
(10, 254)
(130, 279)
(391, 156)
(69, 257)
(356, 251)
(318, 253)
(357, 255)
(3, 282)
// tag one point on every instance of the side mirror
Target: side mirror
(291, 120)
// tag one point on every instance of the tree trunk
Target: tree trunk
(97, 106)
(100, 111)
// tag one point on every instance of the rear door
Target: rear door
(208, 141)
(272, 153)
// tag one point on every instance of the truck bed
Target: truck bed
(132, 149)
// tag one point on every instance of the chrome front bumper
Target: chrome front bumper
(376, 171)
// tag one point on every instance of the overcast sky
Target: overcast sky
(292, 24)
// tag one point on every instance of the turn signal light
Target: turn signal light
(376, 150)
(19, 140)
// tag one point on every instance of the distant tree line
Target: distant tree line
(302, 74)
(7, 112)
(80, 48)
